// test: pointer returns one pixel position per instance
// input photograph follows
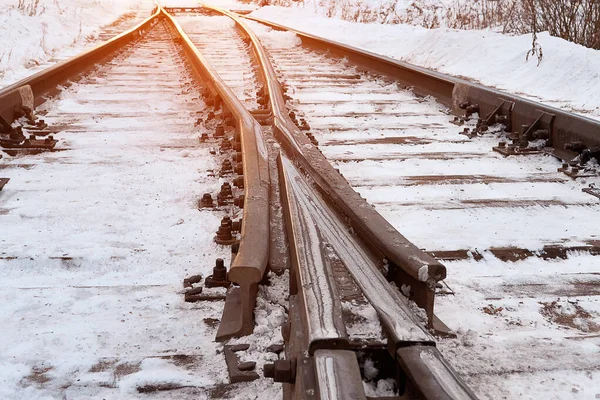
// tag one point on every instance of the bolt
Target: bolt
(206, 201)
(204, 137)
(225, 144)
(502, 119)
(31, 137)
(226, 190)
(224, 236)
(236, 226)
(211, 115)
(226, 168)
(283, 371)
(219, 276)
(219, 271)
(219, 131)
(502, 145)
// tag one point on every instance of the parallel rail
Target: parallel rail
(32, 91)
(250, 262)
(568, 134)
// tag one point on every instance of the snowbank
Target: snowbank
(568, 76)
(32, 34)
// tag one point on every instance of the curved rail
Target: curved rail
(409, 265)
(568, 133)
(316, 299)
(250, 262)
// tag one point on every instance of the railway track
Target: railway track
(194, 104)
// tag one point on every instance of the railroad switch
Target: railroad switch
(239, 372)
(219, 276)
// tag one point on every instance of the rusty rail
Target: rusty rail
(250, 262)
(568, 134)
(316, 360)
(408, 265)
(31, 91)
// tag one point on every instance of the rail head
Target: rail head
(250, 262)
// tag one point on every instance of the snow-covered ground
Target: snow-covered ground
(42, 32)
(568, 76)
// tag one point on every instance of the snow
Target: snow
(484, 56)
(32, 38)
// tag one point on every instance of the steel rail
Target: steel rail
(315, 310)
(250, 262)
(407, 264)
(32, 90)
(568, 134)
